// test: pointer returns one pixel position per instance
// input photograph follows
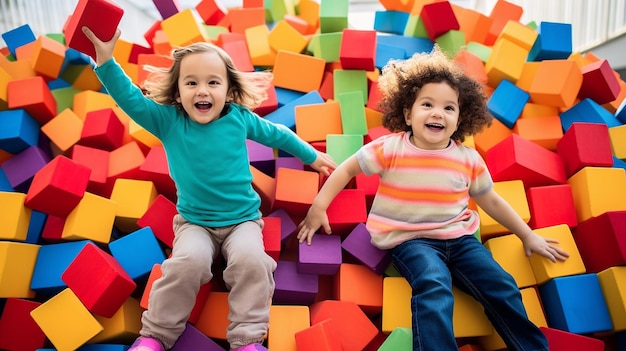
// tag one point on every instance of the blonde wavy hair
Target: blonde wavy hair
(248, 89)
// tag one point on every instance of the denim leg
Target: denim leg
(423, 263)
(476, 272)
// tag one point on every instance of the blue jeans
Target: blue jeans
(432, 266)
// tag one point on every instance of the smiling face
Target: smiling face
(203, 86)
(434, 116)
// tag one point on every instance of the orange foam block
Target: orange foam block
(556, 83)
(506, 61)
(265, 186)
(295, 190)
(243, 18)
(47, 57)
(210, 11)
(359, 284)
(501, 13)
(101, 16)
(285, 322)
(64, 130)
(490, 136)
(354, 328)
(58, 187)
(544, 131)
(285, 37)
(213, 318)
(474, 24)
(182, 29)
(315, 121)
(125, 162)
(33, 95)
(288, 72)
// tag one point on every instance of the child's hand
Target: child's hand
(104, 49)
(314, 219)
(544, 247)
(323, 163)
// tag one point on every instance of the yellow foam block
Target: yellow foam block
(468, 317)
(396, 312)
(617, 135)
(597, 190)
(92, 219)
(67, 323)
(285, 37)
(182, 29)
(17, 263)
(5, 78)
(315, 121)
(519, 34)
(123, 327)
(261, 52)
(14, 216)
(122, 50)
(532, 304)
(133, 198)
(506, 61)
(544, 268)
(213, 319)
(47, 57)
(373, 118)
(88, 100)
(508, 251)
(513, 192)
(613, 284)
(142, 135)
(285, 322)
(64, 130)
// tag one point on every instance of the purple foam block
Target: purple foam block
(193, 339)
(287, 226)
(293, 287)
(323, 256)
(289, 162)
(358, 244)
(167, 8)
(261, 157)
(21, 168)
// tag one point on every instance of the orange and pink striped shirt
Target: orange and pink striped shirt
(422, 193)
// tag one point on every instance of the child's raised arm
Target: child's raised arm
(316, 216)
(104, 50)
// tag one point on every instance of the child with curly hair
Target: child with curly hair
(200, 109)
(421, 208)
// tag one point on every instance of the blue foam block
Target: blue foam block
(507, 102)
(576, 304)
(587, 111)
(137, 253)
(18, 131)
(52, 261)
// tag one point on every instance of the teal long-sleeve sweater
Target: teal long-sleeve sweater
(208, 162)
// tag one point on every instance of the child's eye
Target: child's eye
(450, 108)
(190, 83)
(426, 104)
(214, 82)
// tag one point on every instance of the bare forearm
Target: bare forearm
(336, 182)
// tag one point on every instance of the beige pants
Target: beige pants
(248, 276)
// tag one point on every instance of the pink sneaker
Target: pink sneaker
(250, 347)
(144, 343)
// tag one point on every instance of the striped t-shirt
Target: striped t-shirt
(422, 193)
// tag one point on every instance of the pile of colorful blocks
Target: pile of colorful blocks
(86, 200)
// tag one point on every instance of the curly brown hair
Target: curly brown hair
(248, 89)
(401, 80)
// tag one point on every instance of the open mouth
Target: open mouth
(203, 105)
(435, 126)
